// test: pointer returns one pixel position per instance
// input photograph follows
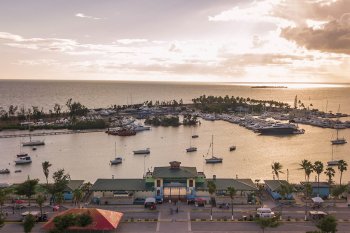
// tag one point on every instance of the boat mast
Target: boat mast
(212, 146)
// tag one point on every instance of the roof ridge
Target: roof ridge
(238, 180)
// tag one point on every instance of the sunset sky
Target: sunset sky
(176, 40)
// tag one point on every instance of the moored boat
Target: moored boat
(22, 154)
(123, 132)
(232, 148)
(142, 152)
(117, 160)
(213, 159)
(195, 136)
(23, 160)
(4, 171)
(191, 149)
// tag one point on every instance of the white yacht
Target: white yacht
(33, 142)
(23, 160)
(213, 159)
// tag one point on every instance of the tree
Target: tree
(29, 222)
(232, 193)
(46, 171)
(342, 167)
(328, 224)
(211, 189)
(267, 222)
(339, 190)
(84, 220)
(330, 174)
(306, 165)
(318, 168)
(284, 190)
(77, 196)
(27, 188)
(276, 169)
(40, 199)
(3, 196)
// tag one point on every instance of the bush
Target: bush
(29, 222)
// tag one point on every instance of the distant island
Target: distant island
(269, 87)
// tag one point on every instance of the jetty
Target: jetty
(50, 133)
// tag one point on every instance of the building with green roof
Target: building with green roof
(173, 182)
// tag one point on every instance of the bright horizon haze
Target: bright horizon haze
(178, 41)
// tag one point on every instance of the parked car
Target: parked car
(224, 206)
(150, 201)
(265, 213)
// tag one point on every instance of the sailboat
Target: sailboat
(33, 142)
(21, 153)
(338, 141)
(191, 148)
(333, 162)
(116, 160)
(213, 159)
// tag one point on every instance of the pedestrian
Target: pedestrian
(177, 209)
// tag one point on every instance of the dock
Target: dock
(51, 133)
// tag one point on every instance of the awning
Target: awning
(317, 199)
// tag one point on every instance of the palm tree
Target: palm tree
(342, 167)
(46, 166)
(211, 189)
(306, 165)
(276, 169)
(232, 193)
(40, 199)
(318, 168)
(330, 173)
(77, 196)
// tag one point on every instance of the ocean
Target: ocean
(87, 156)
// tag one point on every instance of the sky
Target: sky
(176, 40)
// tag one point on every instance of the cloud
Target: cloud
(131, 41)
(255, 12)
(49, 44)
(81, 15)
(333, 36)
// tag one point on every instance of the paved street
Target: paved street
(188, 218)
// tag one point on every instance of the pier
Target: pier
(50, 133)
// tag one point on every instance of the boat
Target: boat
(142, 152)
(232, 148)
(23, 160)
(280, 129)
(22, 154)
(123, 132)
(116, 160)
(191, 148)
(213, 159)
(195, 136)
(333, 162)
(17, 171)
(4, 171)
(34, 148)
(33, 142)
(139, 128)
(338, 141)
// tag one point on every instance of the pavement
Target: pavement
(170, 218)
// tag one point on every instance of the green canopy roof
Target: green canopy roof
(181, 172)
(120, 185)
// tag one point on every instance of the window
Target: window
(191, 183)
(158, 183)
